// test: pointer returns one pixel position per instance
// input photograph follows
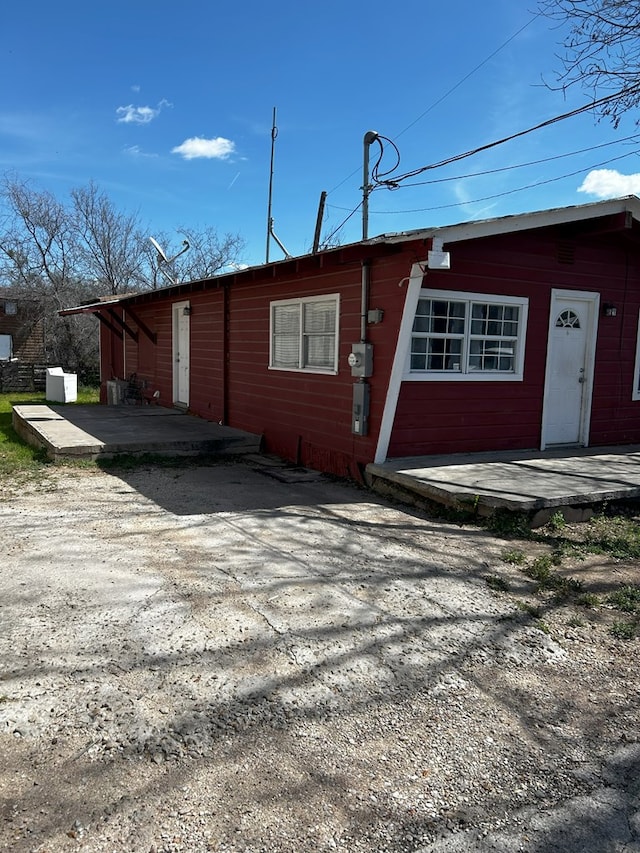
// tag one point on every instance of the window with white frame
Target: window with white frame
(636, 373)
(304, 334)
(6, 347)
(468, 336)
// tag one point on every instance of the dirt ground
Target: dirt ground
(206, 658)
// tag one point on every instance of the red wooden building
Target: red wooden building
(513, 333)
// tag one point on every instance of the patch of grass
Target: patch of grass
(16, 456)
(87, 396)
(623, 630)
(627, 599)
(617, 536)
(497, 583)
(588, 599)
(576, 622)
(541, 571)
(514, 556)
(565, 588)
(543, 626)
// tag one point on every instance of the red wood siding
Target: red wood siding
(304, 417)
(206, 396)
(454, 417)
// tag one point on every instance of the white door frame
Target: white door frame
(180, 351)
(592, 301)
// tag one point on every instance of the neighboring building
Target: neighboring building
(21, 331)
(376, 350)
(22, 351)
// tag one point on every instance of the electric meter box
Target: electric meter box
(361, 360)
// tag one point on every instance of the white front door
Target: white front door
(181, 351)
(570, 361)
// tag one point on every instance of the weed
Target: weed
(623, 630)
(627, 599)
(617, 535)
(557, 522)
(540, 569)
(576, 622)
(530, 609)
(514, 556)
(507, 523)
(497, 583)
(543, 626)
(588, 599)
(565, 588)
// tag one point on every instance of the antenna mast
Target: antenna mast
(270, 232)
(274, 133)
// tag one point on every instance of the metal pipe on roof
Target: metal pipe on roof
(369, 137)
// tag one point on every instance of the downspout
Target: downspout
(364, 299)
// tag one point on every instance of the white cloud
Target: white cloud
(136, 151)
(140, 115)
(211, 149)
(608, 183)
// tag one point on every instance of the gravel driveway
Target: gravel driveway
(210, 659)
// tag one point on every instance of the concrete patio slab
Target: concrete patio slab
(520, 481)
(90, 432)
(527, 481)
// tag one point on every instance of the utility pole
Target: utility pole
(369, 137)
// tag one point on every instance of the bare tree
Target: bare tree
(108, 243)
(601, 50)
(38, 262)
(66, 255)
(209, 254)
(36, 246)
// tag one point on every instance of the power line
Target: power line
(344, 221)
(584, 108)
(470, 74)
(501, 194)
(451, 90)
(353, 211)
(521, 165)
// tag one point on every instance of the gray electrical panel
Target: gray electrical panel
(361, 360)
(360, 410)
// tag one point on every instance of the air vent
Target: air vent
(566, 252)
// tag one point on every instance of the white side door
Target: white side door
(181, 333)
(570, 363)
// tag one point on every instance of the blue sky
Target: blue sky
(168, 108)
